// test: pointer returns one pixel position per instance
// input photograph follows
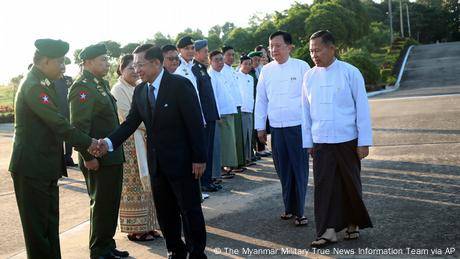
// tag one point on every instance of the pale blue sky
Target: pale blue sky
(86, 22)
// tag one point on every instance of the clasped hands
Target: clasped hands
(97, 148)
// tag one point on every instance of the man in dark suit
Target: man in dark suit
(169, 107)
(209, 107)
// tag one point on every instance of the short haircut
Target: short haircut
(37, 58)
(167, 48)
(214, 53)
(286, 36)
(226, 48)
(142, 48)
(325, 35)
(154, 53)
(124, 62)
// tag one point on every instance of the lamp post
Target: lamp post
(390, 15)
(408, 20)
(401, 18)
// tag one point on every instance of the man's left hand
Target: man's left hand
(362, 152)
(198, 169)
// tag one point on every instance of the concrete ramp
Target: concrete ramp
(431, 70)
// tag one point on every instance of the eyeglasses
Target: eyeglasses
(139, 65)
(176, 58)
(217, 59)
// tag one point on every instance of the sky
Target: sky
(86, 22)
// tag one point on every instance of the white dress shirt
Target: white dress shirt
(335, 106)
(232, 79)
(246, 84)
(185, 70)
(279, 91)
(222, 92)
(156, 83)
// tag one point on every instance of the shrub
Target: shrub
(385, 73)
(7, 118)
(361, 60)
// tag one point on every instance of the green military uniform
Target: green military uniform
(93, 110)
(37, 161)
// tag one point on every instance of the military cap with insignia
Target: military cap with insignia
(199, 44)
(93, 51)
(255, 54)
(184, 42)
(243, 58)
(51, 48)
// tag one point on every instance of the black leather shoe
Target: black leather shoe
(69, 162)
(110, 255)
(175, 255)
(210, 188)
(119, 253)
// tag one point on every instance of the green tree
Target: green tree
(360, 59)
(159, 39)
(226, 29)
(240, 39)
(377, 38)
(76, 56)
(113, 48)
(214, 42)
(214, 37)
(262, 33)
(335, 18)
(293, 21)
(129, 48)
(195, 34)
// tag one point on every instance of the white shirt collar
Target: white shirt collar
(182, 60)
(157, 81)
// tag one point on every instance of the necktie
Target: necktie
(152, 98)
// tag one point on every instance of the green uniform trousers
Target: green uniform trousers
(38, 204)
(104, 189)
(227, 140)
(239, 138)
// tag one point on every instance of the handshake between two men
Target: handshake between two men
(100, 147)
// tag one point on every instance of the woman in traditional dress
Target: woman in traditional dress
(137, 211)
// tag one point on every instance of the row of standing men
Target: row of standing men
(296, 122)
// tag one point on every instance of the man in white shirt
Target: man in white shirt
(224, 142)
(246, 84)
(171, 58)
(337, 129)
(231, 76)
(278, 97)
(186, 48)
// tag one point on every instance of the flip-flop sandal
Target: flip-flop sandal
(348, 235)
(239, 170)
(285, 216)
(141, 238)
(155, 233)
(299, 222)
(227, 176)
(322, 244)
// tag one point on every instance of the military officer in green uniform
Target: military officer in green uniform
(93, 110)
(37, 161)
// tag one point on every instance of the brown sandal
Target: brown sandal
(141, 237)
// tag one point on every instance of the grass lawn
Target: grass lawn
(6, 95)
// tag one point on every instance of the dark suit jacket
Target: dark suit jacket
(175, 131)
(208, 101)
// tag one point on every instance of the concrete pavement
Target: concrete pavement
(411, 185)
